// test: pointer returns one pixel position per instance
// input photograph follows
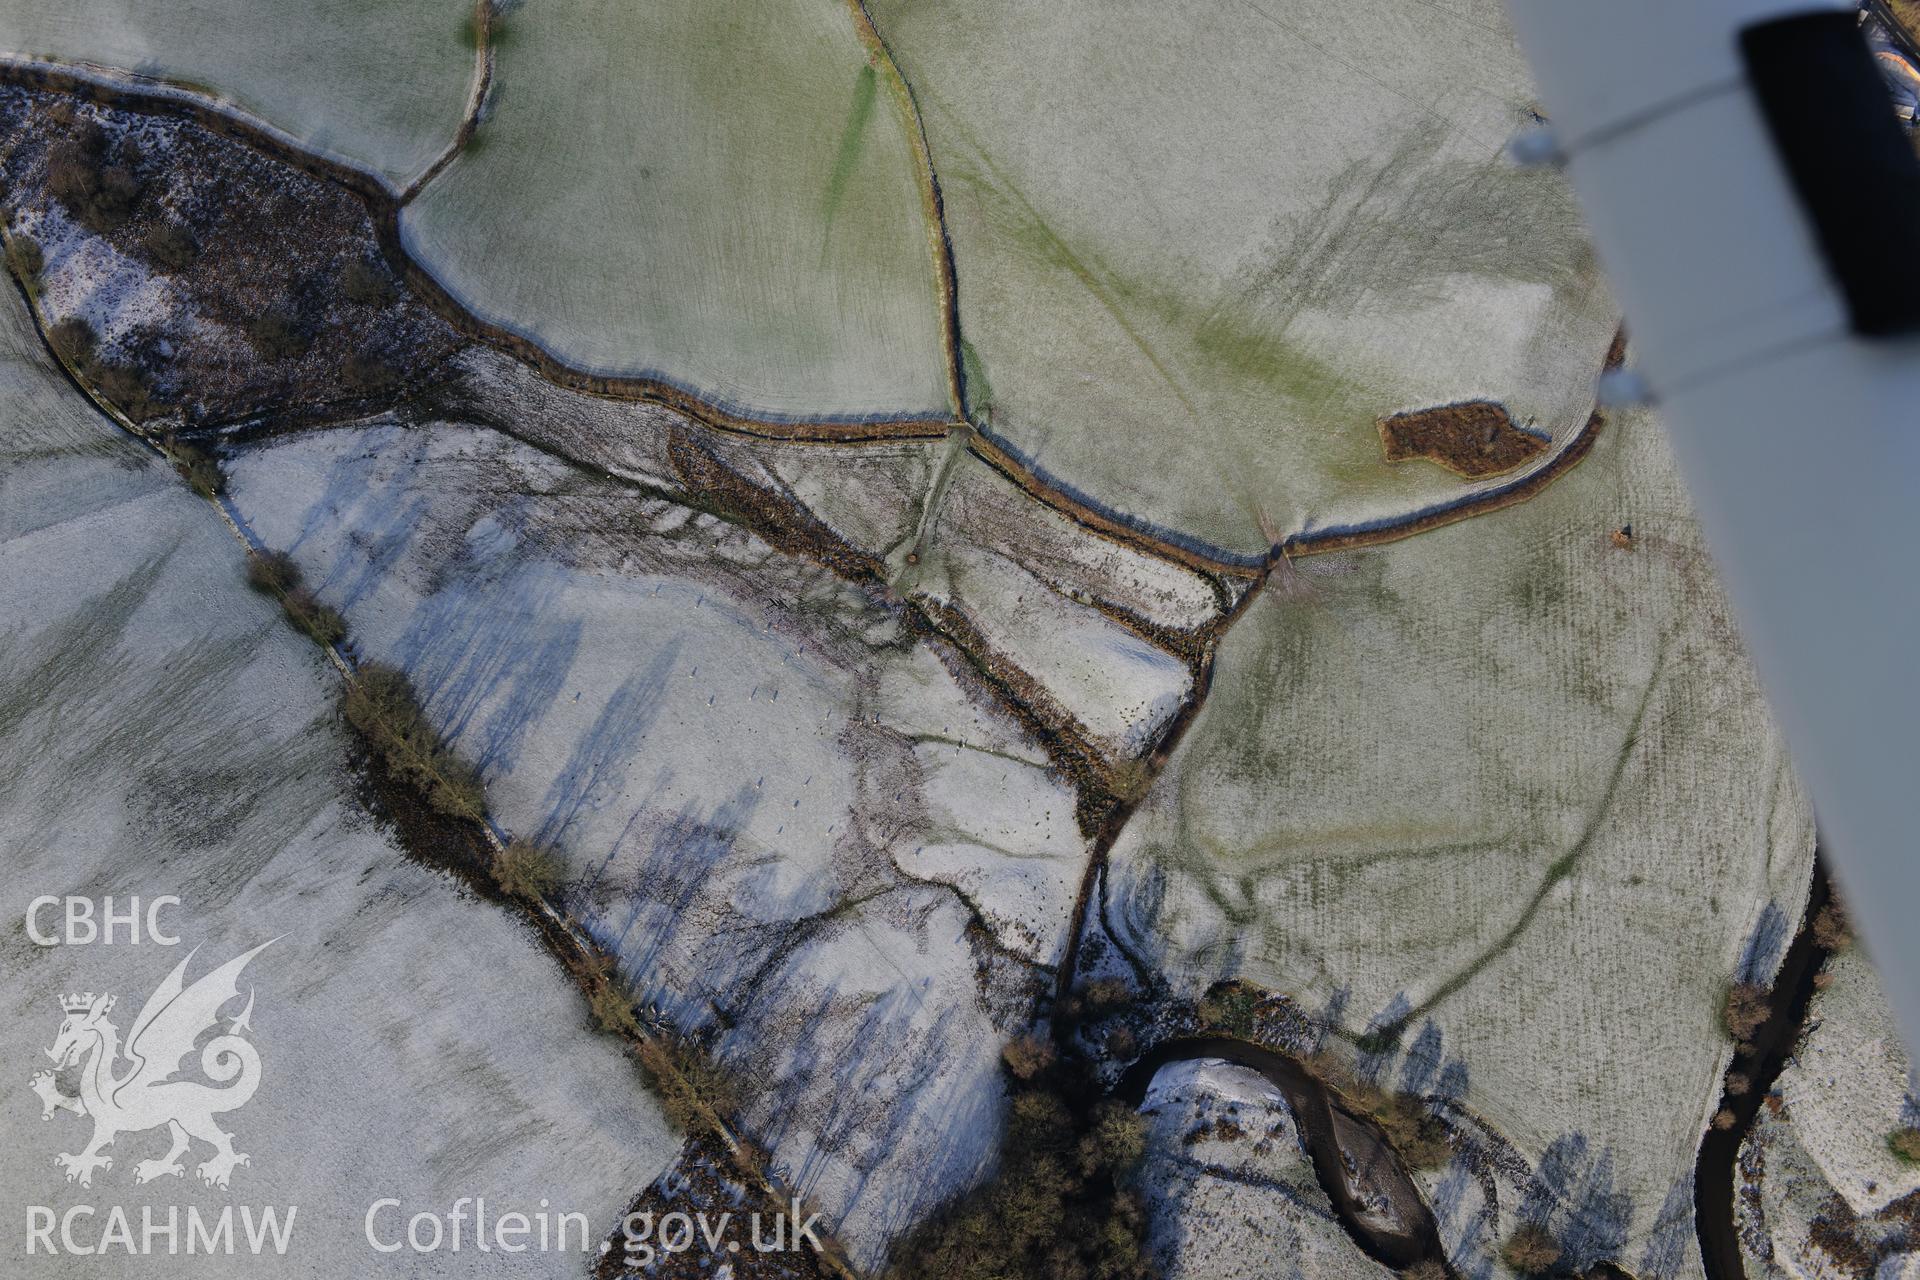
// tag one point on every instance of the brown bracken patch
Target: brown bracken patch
(270, 289)
(1475, 438)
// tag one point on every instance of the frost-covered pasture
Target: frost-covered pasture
(1089, 625)
(1202, 249)
(721, 197)
(819, 732)
(1822, 1193)
(1503, 800)
(1850, 1086)
(379, 86)
(1224, 1152)
(1033, 585)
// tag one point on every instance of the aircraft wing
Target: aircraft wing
(1769, 271)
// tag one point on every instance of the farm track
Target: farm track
(482, 27)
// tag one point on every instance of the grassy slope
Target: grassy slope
(1506, 777)
(1227, 240)
(382, 85)
(714, 195)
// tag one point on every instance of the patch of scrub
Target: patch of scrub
(380, 86)
(163, 732)
(682, 191)
(1154, 268)
(1475, 438)
(226, 283)
(1506, 801)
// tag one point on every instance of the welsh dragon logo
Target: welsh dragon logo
(144, 1093)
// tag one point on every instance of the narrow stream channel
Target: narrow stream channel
(1715, 1169)
(1339, 1140)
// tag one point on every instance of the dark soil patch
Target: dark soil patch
(1475, 438)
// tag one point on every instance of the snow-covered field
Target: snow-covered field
(165, 732)
(762, 784)
(1229, 1184)
(1031, 582)
(1083, 616)
(1850, 1086)
(1821, 1191)
(821, 732)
